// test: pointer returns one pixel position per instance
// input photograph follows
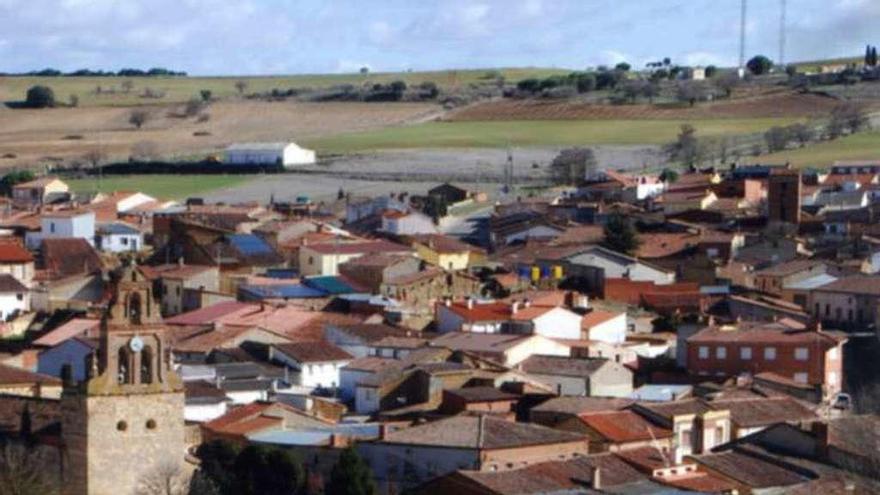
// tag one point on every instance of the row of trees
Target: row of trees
(689, 150)
(125, 72)
(227, 469)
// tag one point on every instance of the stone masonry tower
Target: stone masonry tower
(125, 421)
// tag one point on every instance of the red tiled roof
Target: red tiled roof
(597, 317)
(662, 244)
(313, 352)
(768, 334)
(10, 375)
(623, 426)
(69, 256)
(12, 251)
(73, 328)
(358, 247)
(497, 311)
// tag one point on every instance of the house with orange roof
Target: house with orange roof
(517, 317)
(604, 326)
(17, 261)
(257, 417)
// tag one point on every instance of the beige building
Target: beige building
(38, 191)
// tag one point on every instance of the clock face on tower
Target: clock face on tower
(136, 344)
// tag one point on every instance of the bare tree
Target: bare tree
(691, 92)
(727, 83)
(127, 85)
(241, 86)
(165, 478)
(94, 157)
(23, 472)
(139, 117)
(145, 151)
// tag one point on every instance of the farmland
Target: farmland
(498, 134)
(863, 146)
(776, 104)
(160, 186)
(181, 89)
(43, 137)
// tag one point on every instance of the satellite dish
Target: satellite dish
(136, 344)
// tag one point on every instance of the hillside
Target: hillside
(181, 89)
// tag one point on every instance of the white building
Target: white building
(15, 298)
(604, 326)
(409, 223)
(517, 318)
(118, 237)
(63, 224)
(318, 363)
(285, 154)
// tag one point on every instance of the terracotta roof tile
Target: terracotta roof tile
(623, 426)
(12, 251)
(313, 352)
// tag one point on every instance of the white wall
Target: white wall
(558, 323)
(201, 413)
(120, 243)
(317, 374)
(247, 396)
(80, 226)
(10, 302)
(612, 331)
(348, 380)
(536, 345)
(366, 400)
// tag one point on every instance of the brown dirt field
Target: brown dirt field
(773, 105)
(40, 137)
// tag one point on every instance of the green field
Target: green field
(496, 134)
(159, 186)
(862, 146)
(180, 89)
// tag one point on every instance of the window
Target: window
(125, 241)
(816, 309)
(122, 426)
(721, 352)
(52, 227)
(769, 353)
(719, 434)
(827, 310)
(745, 353)
(147, 365)
(20, 297)
(151, 424)
(311, 260)
(832, 378)
(800, 377)
(801, 353)
(704, 352)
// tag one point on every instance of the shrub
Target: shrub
(40, 97)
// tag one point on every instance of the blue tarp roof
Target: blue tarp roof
(249, 244)
(285, 291)
(329, 284)
(282, 273)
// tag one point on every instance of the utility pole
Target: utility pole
(782, 34)
(742, 39)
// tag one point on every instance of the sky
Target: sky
(262, 37)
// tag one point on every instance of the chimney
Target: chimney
(711, 321)
(596, 482)
(180, 261)
(383, 431)
(527, 303)
(447, 302)
(470, 302)
(514, 307)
